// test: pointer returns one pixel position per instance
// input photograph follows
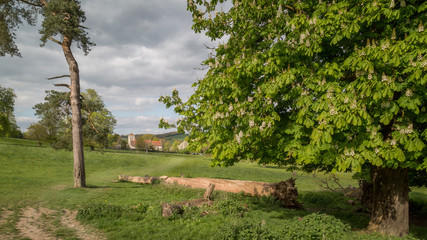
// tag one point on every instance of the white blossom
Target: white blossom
(304, 93)
(333, 110)
(385, 104)
(369, 76)
(230, 108)
(250, 99)
(346, 99)
(353, 104)
(402, 3)
(421, 27)
(393, 142)
(408, 92)
(392, 4)
(251, 123)
(239, 137)
(385, 45)
(384, 78)
(377, 151)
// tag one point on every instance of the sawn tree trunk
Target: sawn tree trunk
(390, 205)
(76, 120)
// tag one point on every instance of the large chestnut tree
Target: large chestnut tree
(332, 84)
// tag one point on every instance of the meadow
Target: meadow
(40, 177)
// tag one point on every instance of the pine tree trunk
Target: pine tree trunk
(76, 120)
(390, 206)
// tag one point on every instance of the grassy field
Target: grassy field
(41, 178)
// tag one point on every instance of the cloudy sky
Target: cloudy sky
(145, 49)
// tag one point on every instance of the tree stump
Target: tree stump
(209, 191)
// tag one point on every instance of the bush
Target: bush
(246, 231)
(315, 226)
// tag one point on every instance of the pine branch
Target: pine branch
(32, 4)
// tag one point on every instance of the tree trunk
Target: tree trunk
(76, 120)
(390, 207)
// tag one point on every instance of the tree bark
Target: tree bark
(76, 120)
(390, 205)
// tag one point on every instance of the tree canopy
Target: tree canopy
(315, 82)
(55, 116)
(335, 85)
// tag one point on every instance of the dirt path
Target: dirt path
(44, 224)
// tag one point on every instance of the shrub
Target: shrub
(315, 226)
(245, 230)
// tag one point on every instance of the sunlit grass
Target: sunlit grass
(33, 175)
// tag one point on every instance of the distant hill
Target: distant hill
(172, 136)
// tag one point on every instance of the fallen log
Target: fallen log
(284, 191)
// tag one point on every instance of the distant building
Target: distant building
(157, 145)
(131, 141)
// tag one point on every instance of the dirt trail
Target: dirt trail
(45, 224)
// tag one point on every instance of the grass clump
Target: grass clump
(103, 210)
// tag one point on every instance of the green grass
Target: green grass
(42, 176)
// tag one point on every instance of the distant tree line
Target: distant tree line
(8, 126)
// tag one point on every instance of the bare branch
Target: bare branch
(211, 48)
(336, 181)
(54, 40)
(51, 78)
(83, 27)
(91, 123)
(200, 68)
(62, 85)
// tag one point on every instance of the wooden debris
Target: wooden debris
(169, 209)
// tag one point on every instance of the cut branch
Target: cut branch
(51, 78)
(62, 85)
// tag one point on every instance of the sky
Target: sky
(144, 49)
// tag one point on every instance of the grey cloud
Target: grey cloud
(145, 49)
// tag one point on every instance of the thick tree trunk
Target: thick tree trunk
(390, 207)
(76, 120)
